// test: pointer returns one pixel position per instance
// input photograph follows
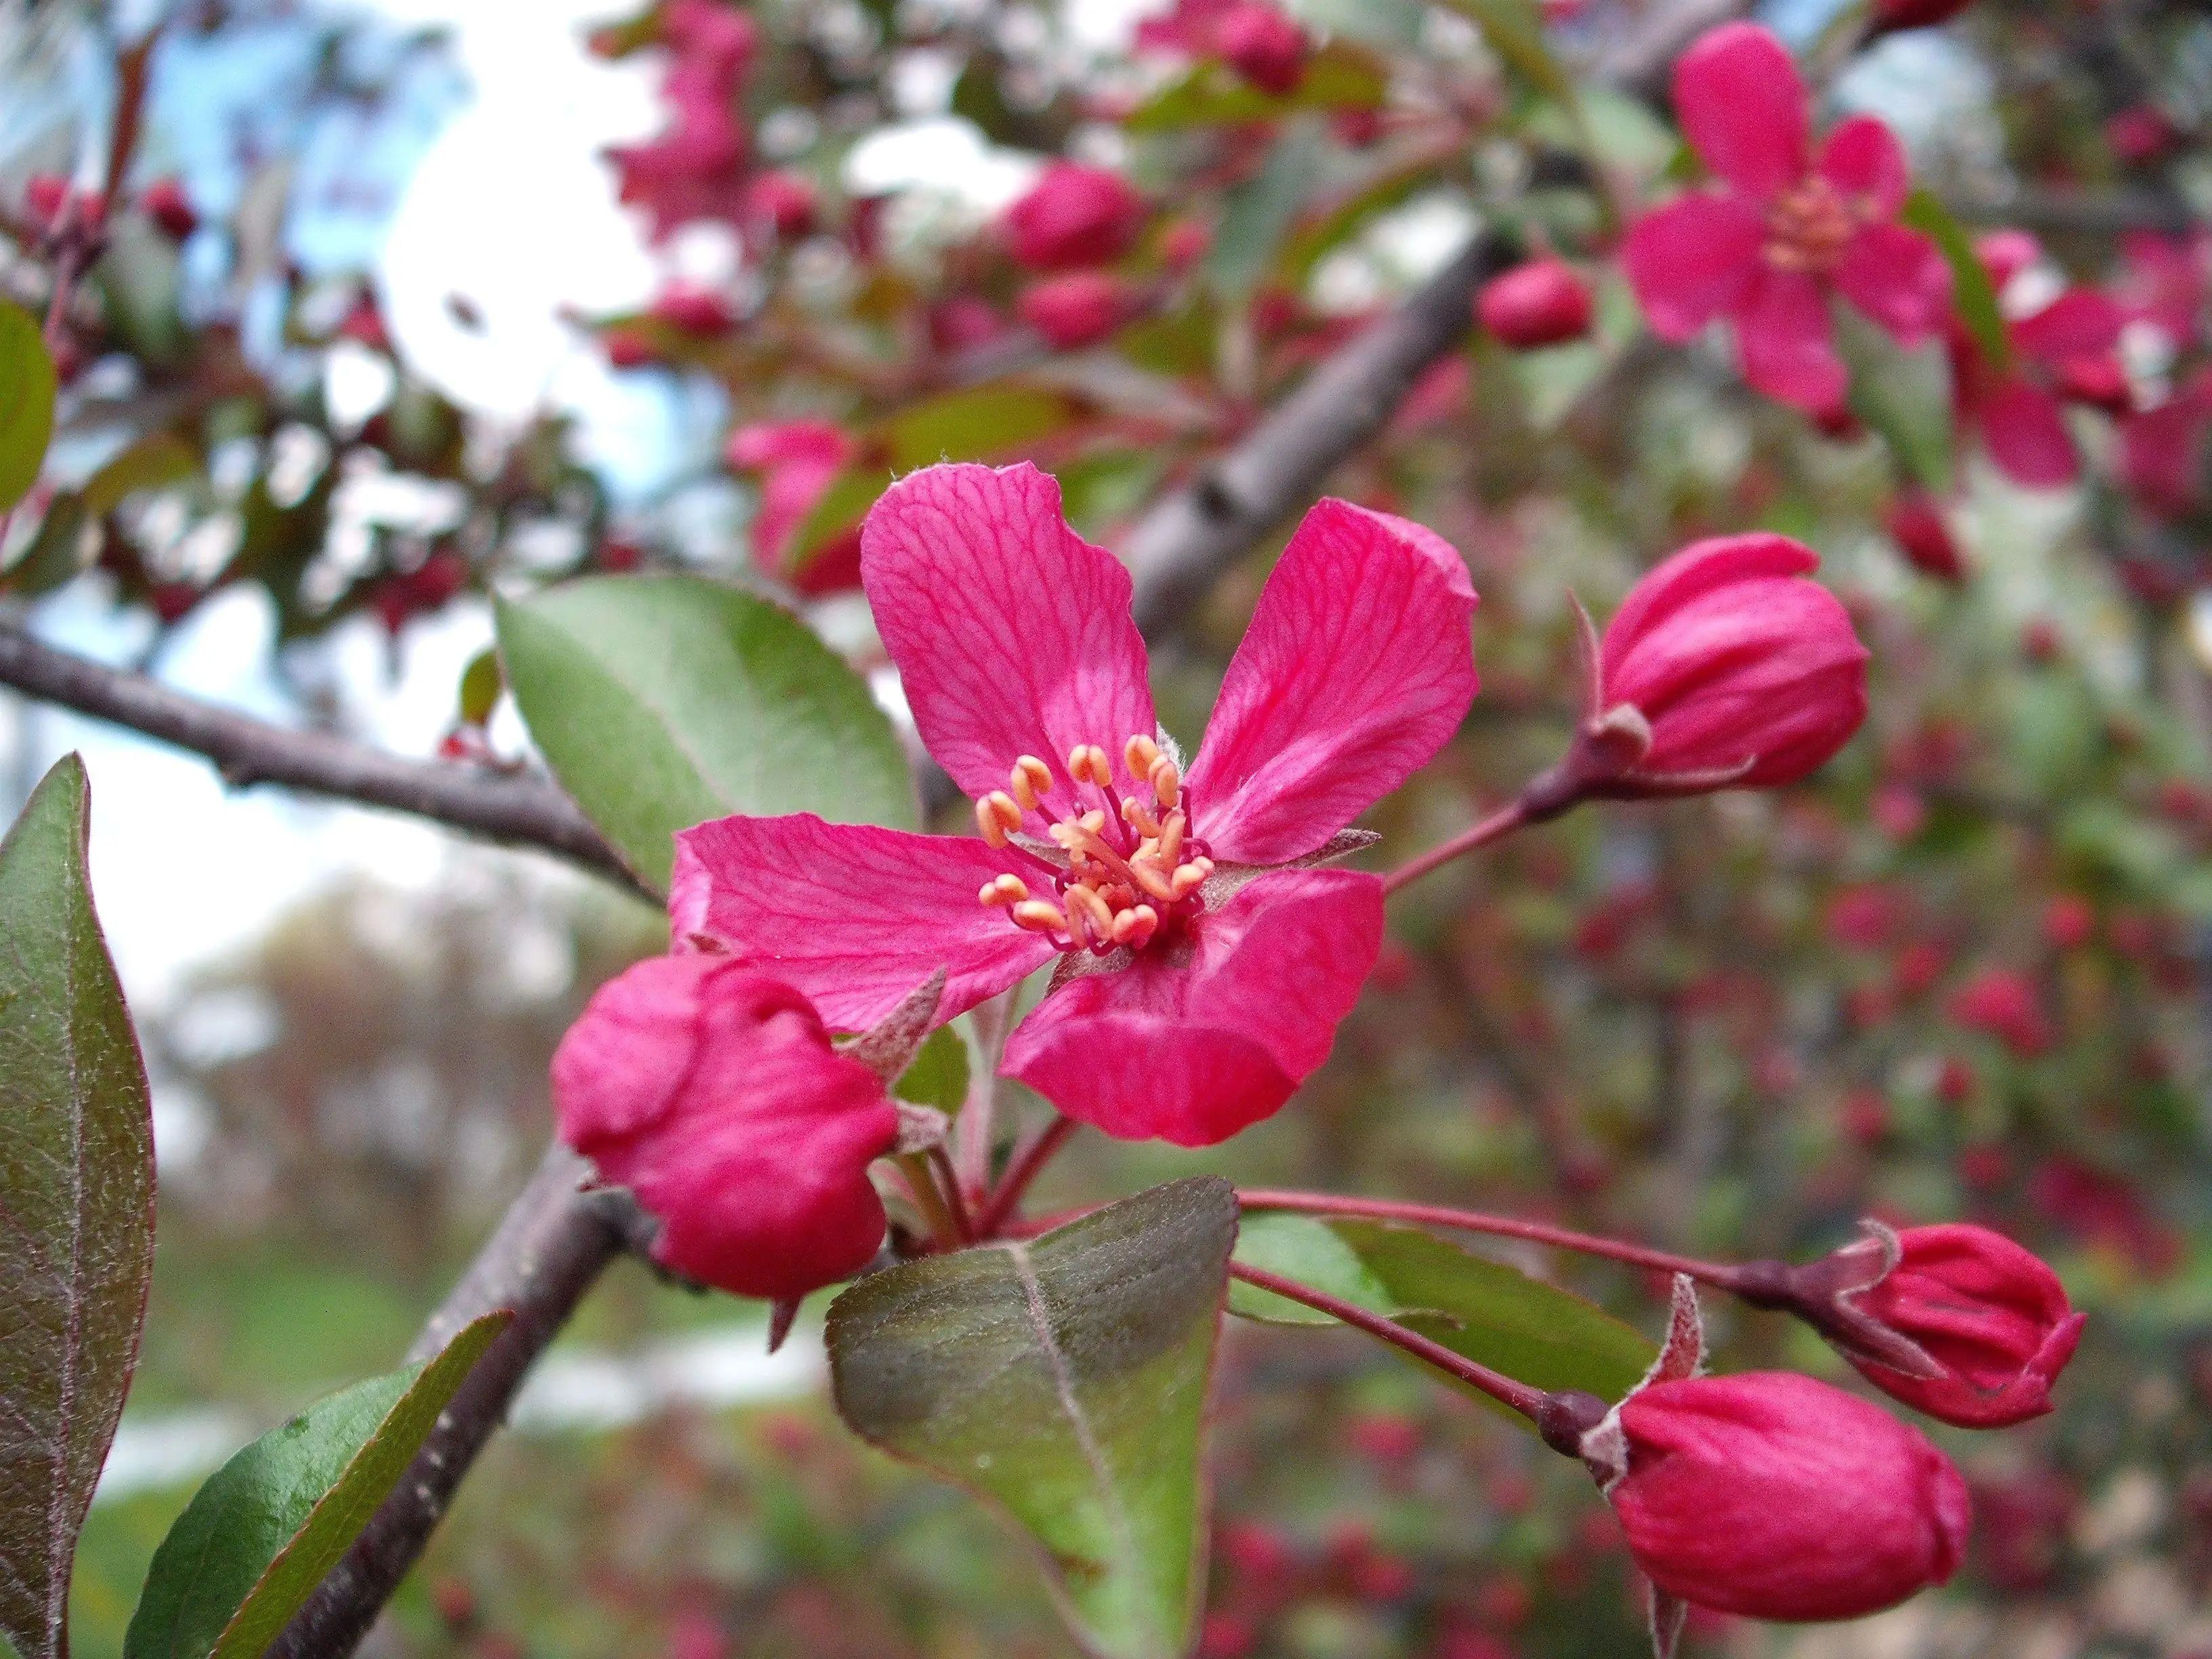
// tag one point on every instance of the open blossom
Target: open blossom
(1786, 229)
(1991, 1316)
(711, 1092)
(1074, 216)
(695, 169)
(797, 461)
(1775, 1496)
(1744, 672)
(1204, 961)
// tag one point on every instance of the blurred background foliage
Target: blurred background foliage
(1963, 973)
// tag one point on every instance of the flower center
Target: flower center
(1808, 227)
(1134, 868)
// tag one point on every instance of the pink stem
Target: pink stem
(1027, 1163)
(1469, 1221)
(1500, 824)
(1499, 1387)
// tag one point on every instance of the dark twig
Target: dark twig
(519, 810)
(2081, 212)
(551, 1248)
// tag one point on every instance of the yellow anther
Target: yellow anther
(1003, 890)
(1139, 754)
(1170, 847)
(1166, 779)
(1039, 917)
(1189, 877)
(996, 816)
(1133, 927)
(1032, 781)
(1138, 815)
(1094, 820)
(1087, 764)
(1093, 910)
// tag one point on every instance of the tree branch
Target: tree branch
(551, 1248)
(518, 811)
(2081, 212)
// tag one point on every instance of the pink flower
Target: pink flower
(2166, 281)
(1204, 960)
(711, 1092)
(2061, 353)
(2004, 1006)
(1256, 41)
(1079, 309)
(1541, 303)
(1786, 230)
(2162, 452)
(1074, 216)
(799, 460)
(1777, 1497)
(1991, 1316)
(1744, 672)
(1915, 525)
(695, 168)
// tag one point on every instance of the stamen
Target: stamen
(1190, 876)
(1092, 909)
(1003, 890)
(1139, 754)
(1040, 916)
(1032, 781)
(1166, 779)
(996, 818)
(1087, 764)
(1138, 815)
(1133, 927)
(1170, 853)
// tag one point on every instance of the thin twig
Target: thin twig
(1500, 824)
(518, 811)
(1027, 1163)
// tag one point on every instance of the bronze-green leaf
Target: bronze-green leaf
(27, 402)
(1065, 1379)
(76, 1207)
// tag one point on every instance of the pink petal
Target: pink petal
(1863, 160)
(1899, 278)
(1356, 669)
(1788, 349)
(713, 1093)
(1012, 634)
(853, 915)
(1693, 260)
(2161, 449)
(1193, 1043)
(1743, 108)
(2026, 431)
(2079, 323)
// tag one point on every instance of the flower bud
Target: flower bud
(1264, 46)
(781, 204)
(165, 203)
(711, 1092)
(1777, 1497)
(1991, 1316)
(1073, 217)
(1890, 15)
(1541, 303)
(694, 310)
(1748, 675)
(1915, 525)
(2004, 1006)
(1077, 310)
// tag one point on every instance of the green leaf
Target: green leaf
(938, 1074)
(1341, 76)
(1486, 1311)
(262, 1533)
(161, 458)
(1514, 30)
(27, 402)
(1309, 1250)
(76, 1196)
(481, 684)
(1972, 290)
(1393, 25)
(661, 702)
(1065, 1379)
(980, 423)
(1904, 395)
(1259, 211)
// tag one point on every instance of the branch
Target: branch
(2082, 212)
(1176, 550)
(551, 1248)
(518, 811)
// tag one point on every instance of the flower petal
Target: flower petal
(1899, 278)
(1787, 346)
(1743, 108)
(2079, 323)
(1012, 634)
(1863, 160)
(1356, 669)
(853, 915)
(1191, 1044)
(1693, 260)
(2025, 432)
